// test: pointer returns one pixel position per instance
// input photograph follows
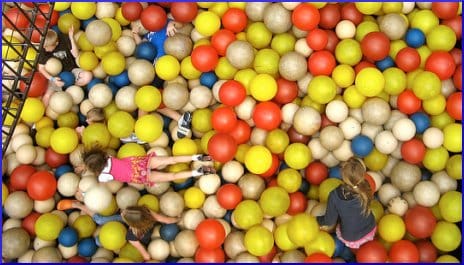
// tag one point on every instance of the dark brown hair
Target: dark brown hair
(96, 115)
(95, 159)
(353, 174)
(139, 219)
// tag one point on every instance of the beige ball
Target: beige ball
(53, 66)
(404, 129)
(191, 218)
(159, 188)
(255, 10)
(350, 128)
(12, 163)
(301, 47)
(277, 18)
(200, 97)
(371, 130)
(330, 160)
(398, 206)
(288, 112)
(376, 111)
(209, 184)
(216, 88)
(106, 9)
(387, 192)
(126, 45)
(212, 208)
(234, 244)
(433, 137)
(99, 197)
(40, 243)
(186, 243)
(345, 29)
(98, 32)
(26, 257)
(47, 255)
(26, 154)
(61, 102)
(103, 253)
(85, 106)
(15, 243)
(394, 117)
(87, 182)
(258, 136)
(179, 46)
(409, 197)
(158, 249)
(77, 93)
(385, 142)
(343, 152)
(141, 72)
(251, 186)
(240, 54)
(331, 137)
(44, 206)
(125, 98)
(292, 256)
(175, 96)
(387, 169)
(444, 182)
(11, 223)
(232, 171)
(426, 193)
(307, 121)
(245, 109)
(68, 252)
(336, 111)
(67, 184)
(99, 72)
(18, 205)
(319, 209)
(246, 257)
(447, 87)
(172, 204)
(293, 66)
(393, 25)
(100, 95)
(318, 151)
(125, 197)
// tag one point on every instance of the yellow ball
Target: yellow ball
(194, 198)
(31, 55)
(131, 149)
(426, 85)
(258, 240)
(391, 228)
(454, 166)
(120, 18)
(113, 235)
(348, 51)
(33, 110)
(68, 119)
(258, 35)
(88, 60)
(441, 120)
(101, 51)
(184, 146)
(242, 149)
(167, 67)
(84, 225)
(377, 210)
(9, 53)
(396, 46)
(258, 159)
(283, 43)
(239, 5)
(274, 201)
(343, 75)
(64, 140)
(112, 207)
(435, 159)
(48, 226)
(277, 140)
(245, 76)
(447, 259)
(187, 69)
(446, 236)
(207, 23)
(453, 137)
(297, 155)
(289, 179)
(121, 124)
(83, 10)
(150, 201)
(375, 160)
(353, 98)
(313, 192)
(96, 134)
(424, 20)
(370, 82)
(4, 192)
(393, 7)
(129, 252)
(247, 214)
(219, 8)
(302, 229)
(148, 98)
(66, 21)
(323, 243)
(44, 122)
(42, 137)
(368, 8)
(113, 63)
(450, 206)
(395, 81)
(266, 62)
(424, 53)
(61, 6)
(201, 120)
(435, 105)
(149, 128)
(205, 139)
(115, 28)
(322, 89)
(224, 70)
(84, 43)
(327, 186)
(365, 28)
(281, 238)
(263, 87)
(441, 37)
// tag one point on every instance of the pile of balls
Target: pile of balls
(281, 94)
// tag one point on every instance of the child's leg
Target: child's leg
(101, 220)
(170, 113)
(158, 161)
(157, 176)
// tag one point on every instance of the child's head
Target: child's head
(353, 174)
(83, 77)
(51, 41)
(95, 115)
(138, 218)
(95, 159)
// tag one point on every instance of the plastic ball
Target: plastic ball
(446, 259)
(435, 159)
(232, 93)
(420, 221)
(194, 198)
(98, 33)
(441, 37)
(169, 232)
(33, 110)
(240, 54)
(323, 243)
(362, 145)
(167, 67)
(452, 137)
(96, 133)
(302, 229)
(426, 193)
(370, 82)
(258, 35)
(453, 105)
(391, 228)
(267, 115)
(18, 205)
(148, 128)
(83, 11)
(222, 147)
(263, 87)
(41, 185)
(372, 251)
(229, 196)
(221, 39)
(15, 242)
(53, 159)
(20, 176)
(38, 85)
(131, 10)
(141, 72)
(441, 63)
(210, 234)
(319, 95)
(348, 51)
(450, 206)
(87, 247)
(113, 63)
(234, 19)
(153, 18)
(224, 119)
(321, 63)
(68, 237)
(120, 124)
(48, 226)
(413, 151)
(427, 251)
(66, 21)
(64, 140)
(247, 214)
(207, 23)
(258, 159)
(274, 201)
(375, 46)
(446, 236)
(404, 251)
(204, 58)
(184, 12)
(258, 240)
(209, 255)
(305, 16)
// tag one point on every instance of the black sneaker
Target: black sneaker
(206, 170)
(184, 125)
(205, 158)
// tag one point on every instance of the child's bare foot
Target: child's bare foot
(67, 204)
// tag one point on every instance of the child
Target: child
(350, 202)
(140, 220)
(140, 169)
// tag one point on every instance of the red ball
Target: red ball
(454, 105)
(224, 119)
(45, 8)
(229, 196)
(287, 91)
(17, 17)
(298, 203)
(408, 103)
(375, 46)
(241, 133)
(350, 12)
(316, 172)
(210, 255)
(408, 59)
(20, 176)
(273, 169)
(306, 16)
(269, 256)
(222, 147)
(457, 77)
(153, 18)
(184, 12)
(372, 252)
(318, 258)
(317, 39)
(53, 159)
(321, 63)
(77, 259)
(38, 86)
(413, 151)
(404, 251)
(28, 222)
(221, 39)
(296, 137)
(445, 10)
(371, 182)
(332, 41)
(41, 185)
(330, 16)
(210, 234)
(204, 58)
(427, 251)
(363, 64)
(441, 63)
(457, 56)
(420, 221)
(131, 10)
(234, 19)
(232, 93)
(36, 35)
(325, 121)
(267, 115)
(455, 24)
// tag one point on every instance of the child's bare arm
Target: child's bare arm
(56, 80)
(135, 34)
(74, 49)
(146, 256)
(162, 218)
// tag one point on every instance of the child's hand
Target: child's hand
(80, 129)
(58, 82)
(171, 29)
(146, 256)
(71, 31)
(136, 30)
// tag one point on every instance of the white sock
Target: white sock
(197, 172)
(196, 157)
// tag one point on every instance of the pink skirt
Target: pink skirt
(356, 244)
(141, 169)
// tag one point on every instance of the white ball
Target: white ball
(126, 45)
(345, 29)
(385, 142)
(290, 5)
(409, 197)
(158, 249)
(404, 129)
(67, 184)
(447, 87)
(125, 98)
(288, 112)
(317, 150)
(433, 137)
(350, 128)
(216, 88)
(200, 97)
(26, 154)
(209, 184)
(125, 197)
(100, 95)
(98, 71)
(87, 182)
(387, 192)
(191, 218)
(336, 111)
(68, 252)
(397, 152)
(11, 223)
(444, 181)
(357, 114)
(408, 7)
(377, 177)
(106, 9)
(371, 130)
(98, 198)
(61, 102)
(19, 140)
(376, 111)
(331, 137)
(232, 171)
(44, 206)
(53, 66)
(40, 158)
(330, 160)
(245, 109)
(212, 208)
(387, 169)
(398, 206)
(301, 47)
(394, 117)
(76, 92)
(426, 193)
(85, 106)
(258, 136)
(343, 152)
